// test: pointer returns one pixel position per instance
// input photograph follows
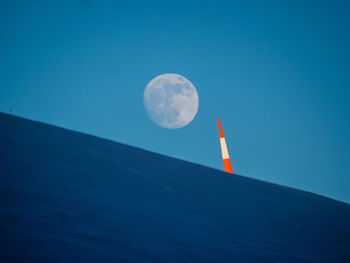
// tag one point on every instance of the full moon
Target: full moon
(171, 101)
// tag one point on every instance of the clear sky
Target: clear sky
(276, 72)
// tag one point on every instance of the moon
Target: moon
(171, 101)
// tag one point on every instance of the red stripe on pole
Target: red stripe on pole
(227, 166)
(220, 129)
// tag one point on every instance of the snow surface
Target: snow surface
(71, 197)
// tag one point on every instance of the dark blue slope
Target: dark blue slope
(70, 197)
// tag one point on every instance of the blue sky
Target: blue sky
(276, 73)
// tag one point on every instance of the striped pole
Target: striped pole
(224, 151)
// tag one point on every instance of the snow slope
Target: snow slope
(71, 197)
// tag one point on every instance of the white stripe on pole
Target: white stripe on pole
(224, 150)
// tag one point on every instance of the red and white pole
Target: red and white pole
(224, 151)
